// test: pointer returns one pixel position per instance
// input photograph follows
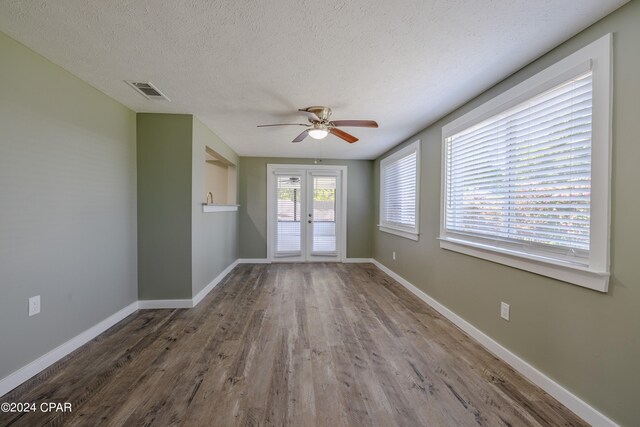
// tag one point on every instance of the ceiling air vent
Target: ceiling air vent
(147, 89)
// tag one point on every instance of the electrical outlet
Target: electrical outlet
(394, 255)
(34, 305)
(504, 310)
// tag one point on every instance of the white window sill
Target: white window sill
(219, 208)
(398, 232)
(574, 274)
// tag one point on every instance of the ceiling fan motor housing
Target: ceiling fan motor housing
(323, 113)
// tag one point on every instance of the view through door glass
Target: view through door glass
(289, 199)
(324, 215)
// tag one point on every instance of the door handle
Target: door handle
(309, 221)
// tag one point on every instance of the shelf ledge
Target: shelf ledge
(219, 208)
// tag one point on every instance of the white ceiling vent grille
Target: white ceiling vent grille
(148, 90)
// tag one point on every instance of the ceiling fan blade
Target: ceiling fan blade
(311, 115)
(283, 124)
(302, 136)
(356, 123)
(341, 134)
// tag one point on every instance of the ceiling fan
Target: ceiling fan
(320, 125)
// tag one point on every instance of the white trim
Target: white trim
(155, 304)
(266, 261)
(187, 303)
(253, 261)
(219, 208)
(598, 57)
(602, 132)
(303, 170)
(18, 377)
(564, 396)
(579, 275)
(406, 232)
(203, 293)
(402, 233)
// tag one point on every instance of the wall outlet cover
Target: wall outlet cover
(34, 305)
(504, 310)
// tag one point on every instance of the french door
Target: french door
(306, 213)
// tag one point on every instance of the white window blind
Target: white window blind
(288, 211)
(523, 177)
(526, 175)
(399, 192)
(324, 215)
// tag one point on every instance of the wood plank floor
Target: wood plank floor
(289, 344)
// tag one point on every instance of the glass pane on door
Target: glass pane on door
(324, 215)
(288, 215)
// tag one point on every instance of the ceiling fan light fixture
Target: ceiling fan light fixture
(318, 133)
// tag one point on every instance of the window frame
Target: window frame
(412, 233)
(595, 275)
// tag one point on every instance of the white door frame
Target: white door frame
(341, 223)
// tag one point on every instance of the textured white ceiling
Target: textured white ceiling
(237, 64)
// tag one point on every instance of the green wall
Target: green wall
(253, 204)
(67, 205)
(180, 248)
(164, 206)
(215, 234)
(587, 341)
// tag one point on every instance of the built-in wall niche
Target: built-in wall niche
(220, 182)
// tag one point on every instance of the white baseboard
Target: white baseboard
(155, 304)
(253, 261)
(203, 293)
(23, 374)
(187, 303)
(564, 396)
(266, 261)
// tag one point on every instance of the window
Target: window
(526, 175)
(399, 196)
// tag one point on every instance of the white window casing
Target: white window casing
(400, 192)
(526, 176)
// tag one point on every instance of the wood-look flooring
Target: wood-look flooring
(289, 344)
